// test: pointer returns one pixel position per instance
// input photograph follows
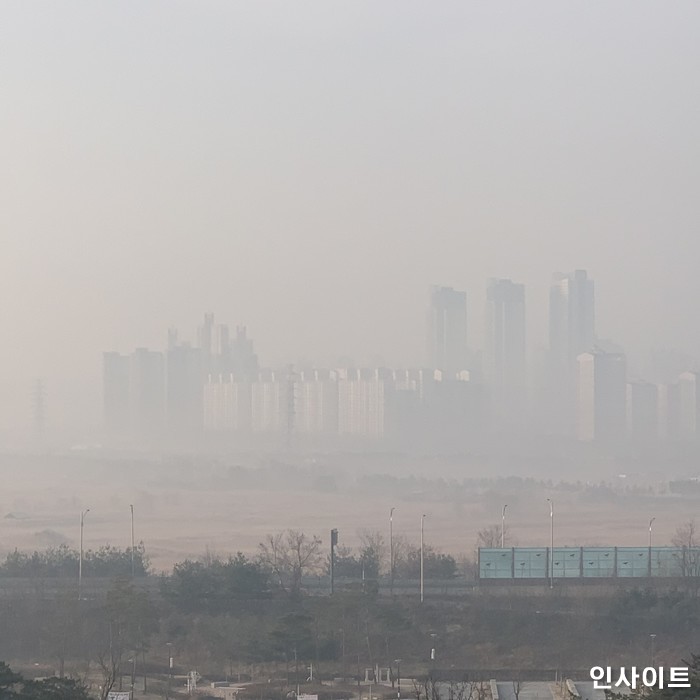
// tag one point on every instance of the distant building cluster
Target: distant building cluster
(582, 389)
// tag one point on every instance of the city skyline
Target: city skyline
(662, 368)
(275, 271)
(304, 191)
(585, 390)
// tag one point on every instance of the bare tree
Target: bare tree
(459, 690)
(479, 690)
(426, 689)
(110, 662)
(124, 623)
(686, 535)
(290, 555)
(490, 537)
(686, 539)
(402, 550)
(372, 550)
(518, 685)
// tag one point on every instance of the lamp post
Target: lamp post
(653, 637)
(422, 527)
(651, 522)
(551, 548)
(334, 542)
(132, 541)
(391, 551)
(398, 678)
(342, 633)
(80, 561)
(503, 526)
(170, 666)
(170, 658)
(170, 674)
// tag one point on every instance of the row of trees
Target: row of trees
(93, 638)
(14, 687)
(284, 560)
(290, 555)
(213, 616)
(285, 556)
(62, 561)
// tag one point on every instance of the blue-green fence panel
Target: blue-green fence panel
(632, 561)
(496, 563)
(530, 562)
(589, 562)
(598, 562)
(567, 562)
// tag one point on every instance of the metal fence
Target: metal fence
(588, 562)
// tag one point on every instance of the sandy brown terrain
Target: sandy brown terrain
(184, 508)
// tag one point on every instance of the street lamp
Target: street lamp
(422, 526)
(651, 522)
(80, 561)
(398, 678)
(132, 540)
(503, 526)
(170, 665)
(391, 551)
(334, 542)
(551, 548)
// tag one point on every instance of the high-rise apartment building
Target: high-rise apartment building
(447, 330)
(227, 404)
(316, 402)
(147, 391)
(505, 335)
(185, 381)
(571, 321)
(205, 336)
(271, 402)
(601, 396)
(362, 401)
(571, 333)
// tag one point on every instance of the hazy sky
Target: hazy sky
(309, 168)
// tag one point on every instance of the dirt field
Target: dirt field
(184, 506)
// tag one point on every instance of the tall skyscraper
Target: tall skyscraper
(147, 391)
(601, 396)
(571, 333)
(571, 321)
(205, 335)
(185, 383)
(447, 330)
(505, 334)
(505, 352)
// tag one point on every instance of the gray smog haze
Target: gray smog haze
(309, 168)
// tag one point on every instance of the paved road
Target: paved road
(529, 691)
